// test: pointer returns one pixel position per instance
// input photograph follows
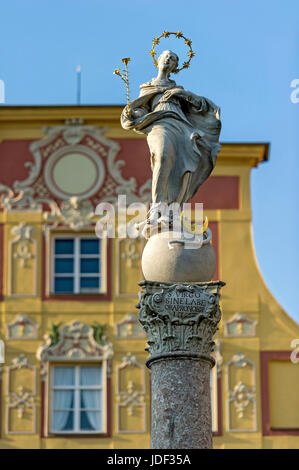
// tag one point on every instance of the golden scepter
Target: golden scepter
(125, 78)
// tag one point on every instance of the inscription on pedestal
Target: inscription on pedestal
(179, 301)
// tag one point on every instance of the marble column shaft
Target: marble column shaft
(180, 320)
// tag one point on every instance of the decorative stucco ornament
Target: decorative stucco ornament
(20, 400)
(72, 201)
(74, 341)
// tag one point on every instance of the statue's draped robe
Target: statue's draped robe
(183, 137)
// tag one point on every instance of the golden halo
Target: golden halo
(178, 34)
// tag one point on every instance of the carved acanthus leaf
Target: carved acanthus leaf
(180, 317)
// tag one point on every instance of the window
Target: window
(77, 398)
(78, 265)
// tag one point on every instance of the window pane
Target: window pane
(63, 421)
(64, 284)
(64, 246)
(64, 265)
(64, 376)
(90, 375)
(90, 421)
(89, 246)
(89, 265)
(91, 399)
(89, 283)
(63, 399)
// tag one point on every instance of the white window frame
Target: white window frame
(77, 388)
(77, 256)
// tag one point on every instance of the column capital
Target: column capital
(180, 319)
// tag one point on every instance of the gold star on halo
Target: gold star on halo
(178, 35)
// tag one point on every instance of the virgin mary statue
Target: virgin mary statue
(182, 132)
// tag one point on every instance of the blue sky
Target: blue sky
(246, 57)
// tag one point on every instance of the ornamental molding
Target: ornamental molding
(22, 328)
(22, 248)
(242, 393)
(129, 360)
(129, 328)
(132, 396)
(180, 319)
(131, 253)
(72, 132)
(240, 325)
(241, 397)
(44, 371)
(19, 362)
(38, 192)
(73, 213)
(91, 158)
(128, 264)
(76, 342)
(22, 231)
(20, 399)
(239, 360)
(23, 240)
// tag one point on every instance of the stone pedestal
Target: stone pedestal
(180, 320)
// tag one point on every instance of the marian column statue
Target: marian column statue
(178, 303)
(182, 132)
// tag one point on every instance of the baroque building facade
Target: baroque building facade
(72, 371)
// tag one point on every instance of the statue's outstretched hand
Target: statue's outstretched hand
(139, 112)
(135, 113)
(179, 92)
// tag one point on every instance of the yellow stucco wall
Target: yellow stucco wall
(245, 292)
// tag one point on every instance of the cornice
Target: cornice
(244, 153)
(50, 114)
(26, 122)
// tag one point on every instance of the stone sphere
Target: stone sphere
(166, 258)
